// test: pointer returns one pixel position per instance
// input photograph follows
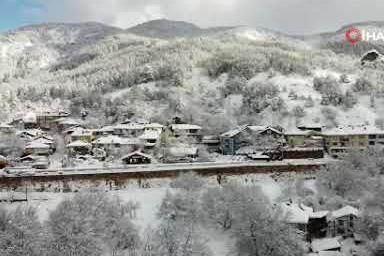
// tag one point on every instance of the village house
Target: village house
(262, 138)
(212, 143)
(180, 154)
(47, 119)
(108, 143)
(339, 140)
(79, 147)
(186, 130)
(304, 138)
(37, 148)
(104, 131)
(6, 128)
(132, 130)
(49, 142)
(322, 224)
(342, 222)
(137, 157)
(154, 127)
(150, 138)
(30, 121)
(81, 134)
(65, 123)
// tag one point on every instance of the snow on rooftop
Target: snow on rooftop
(78, 131)
(345, 211)
(111, 139)
(296, 214)
(353, 130)
(318, 215)
(36, 144)
(185, 127)
(182, 151)
(154, 126)
(43, 141)
(137, 153)
(330, 253)
(30, 117)
(79, 143)
(150, 135)
(129, 126)
(325, 244)
(3, 158)
(4, 125)
(234, 132)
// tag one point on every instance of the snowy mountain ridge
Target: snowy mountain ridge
(220, 77)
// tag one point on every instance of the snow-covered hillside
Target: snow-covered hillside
(216, 77)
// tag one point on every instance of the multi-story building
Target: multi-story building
(340, 139)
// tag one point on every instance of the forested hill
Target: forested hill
(217, 77)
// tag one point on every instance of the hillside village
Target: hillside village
(55, 139)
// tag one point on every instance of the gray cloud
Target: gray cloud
(290, 16)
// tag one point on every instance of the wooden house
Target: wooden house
(304, 138)
(341, 139)
(342, 222)
(49, 142)
(150, 138)
(137, 157)
(82, 135)
(263, 137)
(108, 143)
(212, 143)
(186, 130)
(37, 148)
(79, 148)
(132, 130)
(48, 119)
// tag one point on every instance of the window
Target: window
(372, 137)
(372, 143)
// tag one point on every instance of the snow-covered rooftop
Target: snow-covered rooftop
(36, 144)
(345, 211)
(137, 153)
(4, 125)
(43, 141)
(296, 214)
(182, 151)
(150, 135)
(154, 126)
(129, 126)
(353, 130)
(78, 131)
(325, 244)
(30, 117)
(79, 144)
(111, 139)
(185, 127)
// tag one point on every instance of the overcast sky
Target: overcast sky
(289, 16)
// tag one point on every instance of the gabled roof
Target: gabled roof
(137, 153)
(254, 128)
(345, 211)
(234, 132)
(79, 144)
(296, 214)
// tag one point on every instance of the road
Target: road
(20, 172)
